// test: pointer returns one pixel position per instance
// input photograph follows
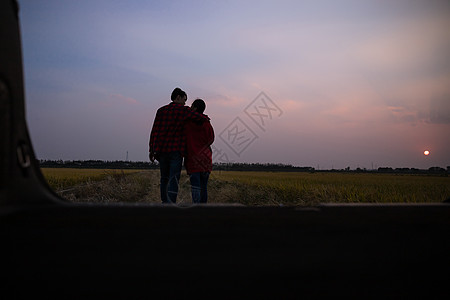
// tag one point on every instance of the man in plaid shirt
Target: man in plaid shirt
(167, 142)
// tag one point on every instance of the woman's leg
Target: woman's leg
(195, 179)
(204, 176)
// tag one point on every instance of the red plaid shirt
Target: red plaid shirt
(167, 131)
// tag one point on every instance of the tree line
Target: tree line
(273, 167)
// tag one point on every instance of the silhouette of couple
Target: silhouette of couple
(181, 132)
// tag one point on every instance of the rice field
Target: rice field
(251, 188)
(62, 178)
(294, 188)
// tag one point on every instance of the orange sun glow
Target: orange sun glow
(426, 152)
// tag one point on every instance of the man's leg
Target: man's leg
(175, 164)
(164, 168)
(204, 187)
(195, 187)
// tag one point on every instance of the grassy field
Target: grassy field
(294, 188)
(251, 188)
(63, 178)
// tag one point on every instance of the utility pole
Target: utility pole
(127, 157)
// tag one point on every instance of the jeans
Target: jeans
(199, 184)
(170, 167)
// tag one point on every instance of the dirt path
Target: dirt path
(143, 187)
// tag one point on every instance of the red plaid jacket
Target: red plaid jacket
(167, 131)
(199, 138)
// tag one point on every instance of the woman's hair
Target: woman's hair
(199, 105)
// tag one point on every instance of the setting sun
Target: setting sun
(426, 152)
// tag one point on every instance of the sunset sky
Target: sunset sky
(326, 84)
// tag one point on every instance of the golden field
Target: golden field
(61, 178)
(251, 188)
(313, 188)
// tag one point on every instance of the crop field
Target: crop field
(293, 188)
(251, 188)
(62, 178)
